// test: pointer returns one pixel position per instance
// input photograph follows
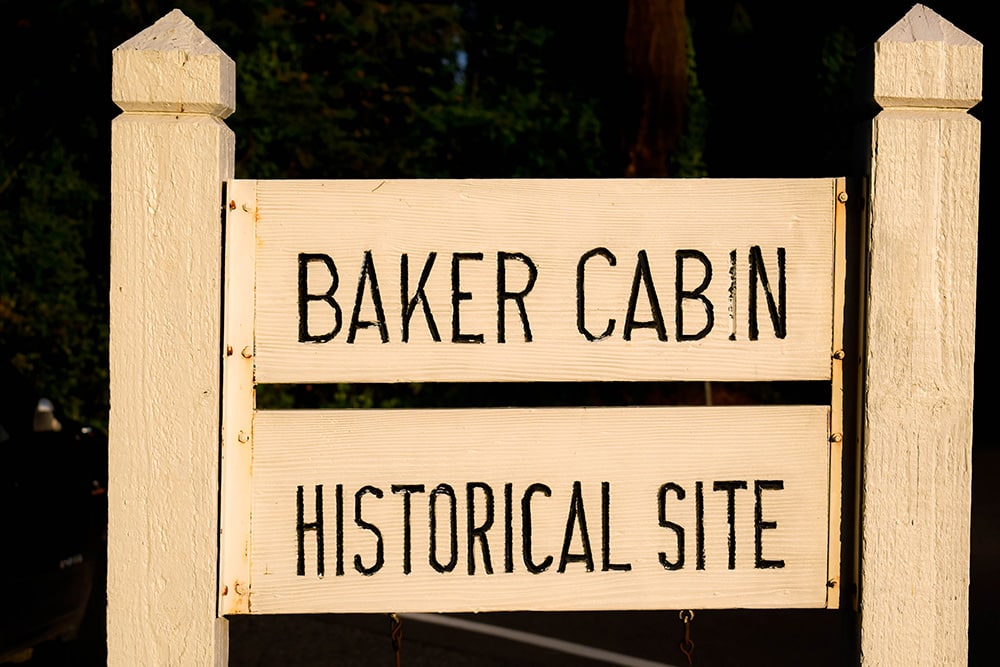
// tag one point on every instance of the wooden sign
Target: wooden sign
(521, 280)
(544, 509)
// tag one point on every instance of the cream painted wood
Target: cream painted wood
(170, 156)
(554, 223)
(237, 402)
(921, 298)
(202, 79)
(837, 396)
(926, 62)
(634, 450)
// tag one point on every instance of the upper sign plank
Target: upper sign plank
(543, 280)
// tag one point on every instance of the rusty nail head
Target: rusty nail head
(246, 352)
(232, 204)
(842, 197)
(229, 350)
(225, 589)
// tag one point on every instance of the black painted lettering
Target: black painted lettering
(606, 564)
(775, 310)
(305, 259)
(478, 532)
(508, 527)
(339, 520)
(504, 295)
(699, 526)
(529, 562)
(368, 277)
(677, 528)
(730, 489)
(419, 296)
(406, 490)
(581, 314)
(645, 277)
(682, 295)
(444, 490)
(457, 296)
(361, 523)
(732, 295)
(301, 527)
(576, 517)
(759, 525)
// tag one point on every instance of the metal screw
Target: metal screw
(240, 589)
(246, 208)
(839, 354)
(842, 197)
(836, 437)
(243, 437)
(246, 352)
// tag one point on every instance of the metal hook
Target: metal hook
(687, 646)
(396, 635)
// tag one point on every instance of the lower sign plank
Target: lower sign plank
(544, 509)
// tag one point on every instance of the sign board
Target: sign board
(535, 280)
(545, 509)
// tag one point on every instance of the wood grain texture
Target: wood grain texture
(924, 61)
(917, 428)
(554, 222)
(634, 450)
(838, 396)
(237, 405)
(167, 172)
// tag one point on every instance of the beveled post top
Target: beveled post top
(172, 67)
(926, 62)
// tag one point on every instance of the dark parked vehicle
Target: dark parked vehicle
(53, 518)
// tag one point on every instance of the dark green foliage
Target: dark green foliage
(689, 159)
(362, 89)
(51, 313)
(53, 203)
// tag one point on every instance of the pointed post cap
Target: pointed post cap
(925, 61)
(173, 67)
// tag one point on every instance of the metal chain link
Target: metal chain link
(396, 635)
(687, 646)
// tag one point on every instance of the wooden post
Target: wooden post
(171, 153)
(920, 336)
